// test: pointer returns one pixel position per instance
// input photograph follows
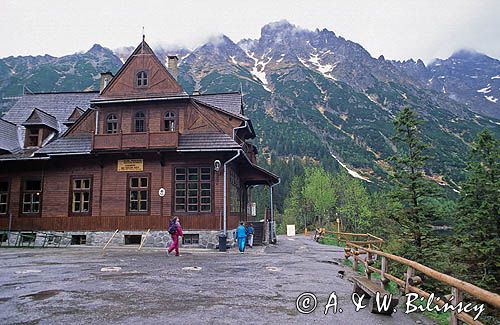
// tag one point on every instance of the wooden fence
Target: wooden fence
(371, 247)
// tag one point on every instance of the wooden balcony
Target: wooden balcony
(138, 140)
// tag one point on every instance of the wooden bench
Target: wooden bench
(363, 285)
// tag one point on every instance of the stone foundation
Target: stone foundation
(206, 238)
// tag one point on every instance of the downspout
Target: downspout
(272, 232)
(239, 127)
(225, 189)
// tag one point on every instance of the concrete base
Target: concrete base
(206, 238)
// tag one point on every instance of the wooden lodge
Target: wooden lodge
(129, 157)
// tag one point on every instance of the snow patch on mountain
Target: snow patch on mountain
(491, 99)
(258, 69)
(314, 63)
(485, 90)
(351, 172)
(496, 77)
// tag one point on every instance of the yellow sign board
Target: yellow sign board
(130, 165)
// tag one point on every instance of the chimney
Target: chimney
(172, 65)
(105, 80)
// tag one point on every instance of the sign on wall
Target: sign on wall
(130, 165)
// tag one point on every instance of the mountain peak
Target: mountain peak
(97, 48)
(465, 54)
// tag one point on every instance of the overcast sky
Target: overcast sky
(397, 29)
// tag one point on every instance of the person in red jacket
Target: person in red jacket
(175, 231)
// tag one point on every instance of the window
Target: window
(139, 122)
(4, 196)
(193, 189)
(112, 124)
(31, 196)
(191, 239)
(142, 79)
(169, 121)
(234, 192)
(138, 194)
(78, 239)
(81, 195)
(32, 137)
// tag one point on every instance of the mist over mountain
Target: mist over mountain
(311, 94)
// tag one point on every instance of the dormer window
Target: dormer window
(140, 122)
(142, 79)
(112, 124)
(169, 121)
(32, 137)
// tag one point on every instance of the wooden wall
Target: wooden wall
(109, 194)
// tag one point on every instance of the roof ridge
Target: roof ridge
(41, 110)
(63, 92)
(221, 93)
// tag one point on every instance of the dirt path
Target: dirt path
(261, 286)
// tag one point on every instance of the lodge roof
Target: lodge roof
(229, 102)
(60, 105)
(8, 136)
(81, 144)
(206, 141)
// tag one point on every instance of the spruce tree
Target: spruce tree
(412, 188)
(478, 241)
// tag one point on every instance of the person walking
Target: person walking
(241, 235)
(250, 232)
(175, 231)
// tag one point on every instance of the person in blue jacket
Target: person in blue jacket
(241, 235)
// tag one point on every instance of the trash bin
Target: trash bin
(222, 242)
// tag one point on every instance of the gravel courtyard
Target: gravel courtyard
(67, 285)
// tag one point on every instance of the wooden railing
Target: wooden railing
(355, 248)
(146, 140)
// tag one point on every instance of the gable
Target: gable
(159, 81)
(201, 118)
(39, 117)
(77, 112)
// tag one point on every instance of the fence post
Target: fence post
(338, 232)
(409, 273)
(457, 298)
(383, 270)
(355, 260)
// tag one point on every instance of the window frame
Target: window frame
(72, 191)
(172, 119)
(144, 120)
(30, 136)
(129, 189)
(142, 79)
(7, 193)
(24, 191)
(186, 189)
(116, 121)
(235, 193)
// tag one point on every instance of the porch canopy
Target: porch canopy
(251, 174)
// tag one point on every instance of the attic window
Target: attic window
(142, 79)
(32, 137)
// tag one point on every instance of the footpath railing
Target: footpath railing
(371, 247)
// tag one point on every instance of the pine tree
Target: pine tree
(412, 188)
(478, 214)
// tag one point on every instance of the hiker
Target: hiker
(175, 231)
(250, 235)
(241, 235)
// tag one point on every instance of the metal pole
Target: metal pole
(271, 239)
(225, 190)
